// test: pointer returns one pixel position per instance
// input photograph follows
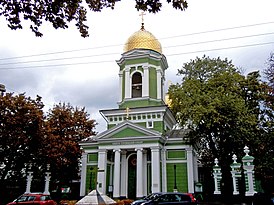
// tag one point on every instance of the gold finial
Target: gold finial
(142, 17)
(127, 112)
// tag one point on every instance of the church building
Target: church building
(141, 152)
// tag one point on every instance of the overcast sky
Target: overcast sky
(64, 67)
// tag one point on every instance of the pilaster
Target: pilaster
(83, 175)
(120, 86)
(127, 83)
(155, 169)
(102, 169)
(164, 181)
(159, 83)
(145, 91)
(190, 170)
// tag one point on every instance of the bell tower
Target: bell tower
(142, 71)
(141, 85)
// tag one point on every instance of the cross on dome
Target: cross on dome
(142, 18)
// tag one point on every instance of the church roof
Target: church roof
(142, 39)
(177, 133)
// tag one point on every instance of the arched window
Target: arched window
(136, 84)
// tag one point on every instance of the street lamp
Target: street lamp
(175, 184)
(90, 179)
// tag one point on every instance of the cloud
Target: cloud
(83, 71)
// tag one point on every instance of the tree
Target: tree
(21, 132)
(61, 13)
(29, 137)
(265, 147)
(220, 107)
(66, 127)
(269, 70)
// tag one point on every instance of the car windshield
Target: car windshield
(151, 196)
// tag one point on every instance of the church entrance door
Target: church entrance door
(132, 176)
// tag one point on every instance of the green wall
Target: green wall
(128, 133)
(140, 103)
(91, 178)
(181, 177)
(108, 178)
(93, 157)
(141, 61)
(152, 83)
(176, 154)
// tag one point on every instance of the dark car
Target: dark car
(263, 198)
(173, 198)
(193, 199)
(33, 199)
(147, 198)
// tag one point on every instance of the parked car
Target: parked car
(173, 198)
(263, 198)
(147, 198)
(193, 199)
(33, 199)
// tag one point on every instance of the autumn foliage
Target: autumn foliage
(29, 136)
(65, 127)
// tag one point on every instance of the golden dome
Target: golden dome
(143, 39)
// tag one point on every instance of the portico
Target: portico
(135, 168)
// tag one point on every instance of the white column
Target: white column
(47, 179)
(127, 83)
(139, 178)
(249, 173)
(159, 83)
(145, 89)
(251, 190)
(123, 174)
(235, 167)
(164, 188)
(190, 170)
(234, 180)
(83, 175)
(155, 169)
(102, 169)
(217, 174)
(145, 173)
(195, 167)
(120, 85)
(116, 183)
(29, 179)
